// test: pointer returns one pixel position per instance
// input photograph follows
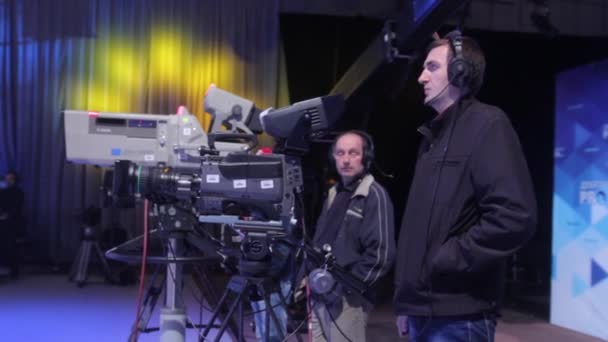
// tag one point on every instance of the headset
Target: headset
(460, 70)
(368, 148)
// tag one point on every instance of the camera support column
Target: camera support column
(173, 314)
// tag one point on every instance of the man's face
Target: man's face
(348, 154)
(10, 179)
(434, 78)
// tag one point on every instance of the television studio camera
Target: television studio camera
(171, 161)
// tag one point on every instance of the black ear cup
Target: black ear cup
(459, 69)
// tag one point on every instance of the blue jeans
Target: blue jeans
(279, 309)
(466, 328)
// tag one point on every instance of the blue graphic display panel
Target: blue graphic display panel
(579, 284)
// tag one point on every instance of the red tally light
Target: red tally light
(265, 150)
(93, 114)
(181, 109)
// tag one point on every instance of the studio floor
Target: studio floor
(43, 306)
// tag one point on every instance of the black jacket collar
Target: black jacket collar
(435, 127)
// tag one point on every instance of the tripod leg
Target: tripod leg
(237, 284)
(83, 264)
(238, 301)
(215, 314)
(241, 321)
(76, 262)
(152, 294)
(104, 263)
(210, 293)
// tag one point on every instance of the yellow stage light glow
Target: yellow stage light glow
(105, 100)
(166, 56)
(123, 64)
(169, 64)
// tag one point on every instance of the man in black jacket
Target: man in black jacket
(357, 222)
(471, 205)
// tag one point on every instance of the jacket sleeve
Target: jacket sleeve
(377, 237)
(505, 198)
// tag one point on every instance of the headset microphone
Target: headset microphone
(429, 102)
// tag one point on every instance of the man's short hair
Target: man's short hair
(472, 53)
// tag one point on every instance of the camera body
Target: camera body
(101, 138)
(170, 159)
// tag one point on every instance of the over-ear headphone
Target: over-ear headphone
(368, 148)
(459, 69)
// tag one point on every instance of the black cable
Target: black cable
(282, 302)
(294, 332)
(149, 288)
(333, 321)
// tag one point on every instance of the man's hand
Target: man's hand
(300, 291)
(402, 327)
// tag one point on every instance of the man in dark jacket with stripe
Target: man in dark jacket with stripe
(357, 222)
(471, 205)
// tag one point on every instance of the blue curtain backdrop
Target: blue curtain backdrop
(144, 56)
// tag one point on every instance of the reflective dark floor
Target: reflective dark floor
(45, 307)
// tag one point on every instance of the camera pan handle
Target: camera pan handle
(250, 139)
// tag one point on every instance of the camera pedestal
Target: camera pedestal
(173, 318)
